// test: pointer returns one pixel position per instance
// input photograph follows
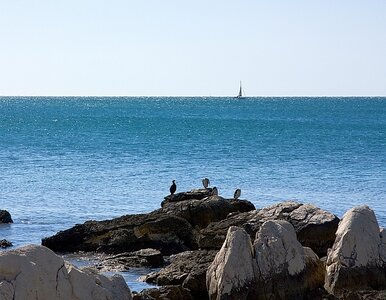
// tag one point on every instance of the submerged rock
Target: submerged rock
(35, 272)
(5, 217)
(356, 261)
(5, 244)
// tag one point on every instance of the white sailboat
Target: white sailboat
(240, 94)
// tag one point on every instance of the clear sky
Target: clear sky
(200, 47)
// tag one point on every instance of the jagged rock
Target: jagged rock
(286, 270)
(170, 292)
(5, 244)
(277, 267)
(5, 217)
(187, 269)
(356, 261)
(232, 272)
(137, 259)
(278, 250)
(171, 229)
(35, 272)
(200, 213)
(315, 228)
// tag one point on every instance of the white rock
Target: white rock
(233, 266)
(277, 249)
(35, 272)
(357, 241)
(356, 260)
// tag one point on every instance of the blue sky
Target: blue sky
(203, 48)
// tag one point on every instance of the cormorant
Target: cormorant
(237, 194)
(173, 188)
(205, 182)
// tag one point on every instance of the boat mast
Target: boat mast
(240, 92)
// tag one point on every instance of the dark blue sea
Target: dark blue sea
(65, 160)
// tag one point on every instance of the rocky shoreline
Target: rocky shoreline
(215, 248)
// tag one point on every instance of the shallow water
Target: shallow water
(65, 160)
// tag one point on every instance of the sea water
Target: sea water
(65, 160)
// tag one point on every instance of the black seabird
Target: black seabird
(237, 194)
(173, 188)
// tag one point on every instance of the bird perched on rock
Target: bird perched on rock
(205, 182)
(173, 187)
(237, 194)
(214, 191)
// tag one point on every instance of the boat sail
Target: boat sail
(240, 94)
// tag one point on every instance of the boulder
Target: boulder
(232, 273)
(286, 269)
(5, 217)
(276, 267)
(171, 229)
(35, 272)
(356, 261)
(187, 269)
(315, 228)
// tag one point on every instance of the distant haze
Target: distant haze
(187, 48)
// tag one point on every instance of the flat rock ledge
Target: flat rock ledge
(35, 272)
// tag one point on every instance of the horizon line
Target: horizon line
(203, 96)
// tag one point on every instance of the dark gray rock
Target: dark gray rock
(149, 258)
(171, 229)
(5, 217)
(171, 292)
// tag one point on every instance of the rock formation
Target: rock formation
(171, 229)
(35, 272)
(357, 261)
(276, 267)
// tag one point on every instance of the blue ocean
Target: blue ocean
(65, 160)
